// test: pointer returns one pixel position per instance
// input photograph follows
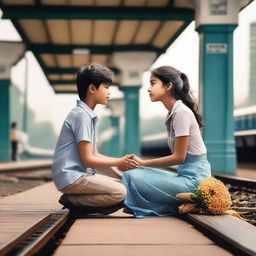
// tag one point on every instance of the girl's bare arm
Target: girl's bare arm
(178, 157)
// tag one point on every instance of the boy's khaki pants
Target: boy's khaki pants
(95, 190)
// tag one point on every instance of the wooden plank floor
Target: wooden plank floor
(21, 214)
(121, 235)
(42, 198)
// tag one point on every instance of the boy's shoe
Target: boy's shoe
(65, 202)
(127, 210)
(86, 210)
(75, 211)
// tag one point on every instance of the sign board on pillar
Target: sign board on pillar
(216, 48)
(216, 12)
(218, 7)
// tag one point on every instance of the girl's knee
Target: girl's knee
(134, 173)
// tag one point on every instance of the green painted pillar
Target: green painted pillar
(132, 140)
(115, 149)
(116, 106)
(10, 53)
(4, 120)
(216, 88)
(132, 65)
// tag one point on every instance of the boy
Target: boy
(76, 153)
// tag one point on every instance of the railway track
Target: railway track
(25, 166)
(231, 233)
(34, 239)
(16, 177)
(236, 181)
(243, 194)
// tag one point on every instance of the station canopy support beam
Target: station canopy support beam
(92, 49)
(93, 13)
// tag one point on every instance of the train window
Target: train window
(250, 140)
(239, 142)
(250, 121)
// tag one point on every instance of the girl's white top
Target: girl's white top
(181, 121)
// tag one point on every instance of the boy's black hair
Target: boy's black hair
(92, 74)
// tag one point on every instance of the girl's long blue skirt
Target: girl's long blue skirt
(152, 192)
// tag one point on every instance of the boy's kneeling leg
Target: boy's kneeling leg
(97, 192)
(86, 210)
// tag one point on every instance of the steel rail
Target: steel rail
(236, 181)
(39, 238)
(25, 166)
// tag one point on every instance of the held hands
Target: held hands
(128, 162)
(137, 159)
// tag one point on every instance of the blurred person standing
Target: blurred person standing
(14, 136)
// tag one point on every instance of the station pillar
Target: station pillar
(10, 53)
(132, 66)
(115, 149)
(117, 110)
(132, 140)
(215, 24)
(4, 120)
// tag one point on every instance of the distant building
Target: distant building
(252, 78)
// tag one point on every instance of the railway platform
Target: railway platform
(22, 214)
(122, 235)
(31, 218)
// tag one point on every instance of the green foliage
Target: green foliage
(200, 199)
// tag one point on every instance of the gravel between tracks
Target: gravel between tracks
(13, 183)
(243, 197)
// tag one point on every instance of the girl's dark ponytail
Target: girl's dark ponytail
(189, 100)
(181, 88)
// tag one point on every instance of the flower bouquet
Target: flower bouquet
(211, 197)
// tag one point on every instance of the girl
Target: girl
(152, 192)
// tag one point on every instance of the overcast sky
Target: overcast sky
(183, 54)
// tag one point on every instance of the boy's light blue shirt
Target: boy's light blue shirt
(78, 126)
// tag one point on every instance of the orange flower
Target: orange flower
(212, 196)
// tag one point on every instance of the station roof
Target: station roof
(65, 34)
